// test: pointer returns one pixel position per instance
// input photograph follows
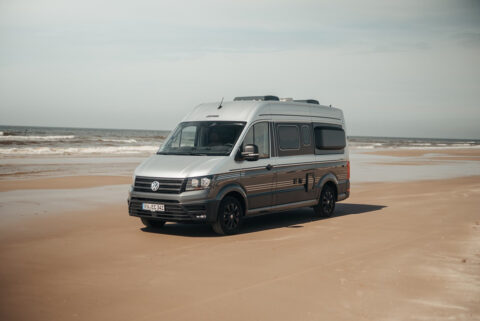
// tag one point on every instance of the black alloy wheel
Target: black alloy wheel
(230, 216)
(326, 204)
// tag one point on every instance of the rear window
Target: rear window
(288, 137)
(330, 138)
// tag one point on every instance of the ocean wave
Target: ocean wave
(127, 141)
(432, 147)
(13, 138)
(116, 150)
(412, 145)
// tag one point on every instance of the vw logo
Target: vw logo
(155, 185)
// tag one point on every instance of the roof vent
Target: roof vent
(308, 101)
(274, 98)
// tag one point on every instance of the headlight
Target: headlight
(197, 183)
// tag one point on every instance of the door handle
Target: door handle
(269, 167)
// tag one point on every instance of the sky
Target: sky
(396, 68)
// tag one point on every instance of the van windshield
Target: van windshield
(203, 138)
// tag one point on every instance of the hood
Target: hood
(179, 166)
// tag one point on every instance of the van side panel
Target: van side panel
(295, 179)
(258, 181)
(331, 171)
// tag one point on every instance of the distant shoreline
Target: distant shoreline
(350, 137)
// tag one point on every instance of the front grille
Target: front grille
(173, 210)
(167, 185)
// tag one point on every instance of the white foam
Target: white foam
(35, 138)
(118, 140)
(423, 147)
(454, 146)
(363, 147)
(78, 150)
(463, 144)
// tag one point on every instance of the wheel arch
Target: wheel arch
(236, 191)
(329, 179)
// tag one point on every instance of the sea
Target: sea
(29, 141)
(22, 141)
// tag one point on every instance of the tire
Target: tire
(326, 203)
(152, 223)
(229, 216)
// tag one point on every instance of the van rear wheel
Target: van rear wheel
(326, 203)
(152, 223)
(229, 217)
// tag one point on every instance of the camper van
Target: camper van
(228, 161)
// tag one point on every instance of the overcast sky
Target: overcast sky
(396, 68)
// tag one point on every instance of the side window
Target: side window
(261, 139)
(306, 136)
(184, 137)
(288, 137)
(258, 135)
(187, 137)
(330, 138)
(294, 139)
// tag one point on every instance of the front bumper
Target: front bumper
(184, 207)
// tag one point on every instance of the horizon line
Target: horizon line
(143, 129)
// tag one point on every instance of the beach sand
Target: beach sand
(65, 182)
(406, 250)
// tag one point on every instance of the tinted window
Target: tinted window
(288, 137)
(258, 135)
(306, 137)
(329, 138)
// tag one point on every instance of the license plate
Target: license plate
(153, 207)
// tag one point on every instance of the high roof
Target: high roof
(250, 110)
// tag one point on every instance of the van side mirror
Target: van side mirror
(250, 152)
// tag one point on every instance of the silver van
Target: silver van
(231, 160)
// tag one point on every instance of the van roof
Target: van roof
(251, 110)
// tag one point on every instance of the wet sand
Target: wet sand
(445, 153)
(393, 251)
(65, 182)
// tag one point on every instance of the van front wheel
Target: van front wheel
(229, 217)
(326, 203)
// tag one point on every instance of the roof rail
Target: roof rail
(308, 101)
(268, 97)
